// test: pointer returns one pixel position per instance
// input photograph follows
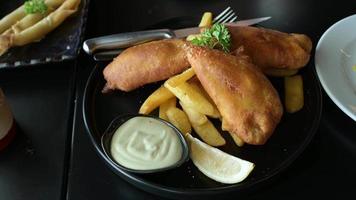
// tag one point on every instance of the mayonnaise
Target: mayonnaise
(144, 143)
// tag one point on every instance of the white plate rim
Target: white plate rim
(320, 72)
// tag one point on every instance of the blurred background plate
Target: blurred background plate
(335, 63)
(63, 43)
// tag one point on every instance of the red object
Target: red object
(4, 142)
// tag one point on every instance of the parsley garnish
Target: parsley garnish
(35, 6)
(216, 37)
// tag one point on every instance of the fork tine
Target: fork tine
(221, 14)
(233, 19)
(229, 17)
(222, 19)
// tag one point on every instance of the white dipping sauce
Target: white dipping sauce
(144, 143)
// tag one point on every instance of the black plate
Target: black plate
(291, 137)
(63, 43)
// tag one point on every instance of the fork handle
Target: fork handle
(124, 40)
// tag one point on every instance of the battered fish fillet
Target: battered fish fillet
(146, 63)
(249, 105)
(271, 49)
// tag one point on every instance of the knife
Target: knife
(124, 40)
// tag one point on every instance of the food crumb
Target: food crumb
(354, 68)
(345, 53)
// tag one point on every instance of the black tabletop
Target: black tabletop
(50, 159)
(35, 164)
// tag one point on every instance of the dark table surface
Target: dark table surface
(35, 164)
(52, 157)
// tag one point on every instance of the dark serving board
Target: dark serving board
(61, 44)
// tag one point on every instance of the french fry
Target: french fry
(208, 133)
(206, 20)
(238, 141)
(194, 116)
(199, 88)
(294, 96)
(280, 72)
(179, 119)
(185, 93)
(158, 97)
(170, 103)
(203, 127)
(180, 78)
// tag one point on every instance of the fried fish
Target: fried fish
(271, 49)
(159, 60)
(146, 63)
(249, 105)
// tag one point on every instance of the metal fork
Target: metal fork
(226, 16)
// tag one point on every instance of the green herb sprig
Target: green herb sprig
(216, 37)
(35, 6)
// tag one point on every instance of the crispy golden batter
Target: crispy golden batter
(249, 105)
(271, 49)
(146, 63)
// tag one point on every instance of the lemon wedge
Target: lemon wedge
(217, 164)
